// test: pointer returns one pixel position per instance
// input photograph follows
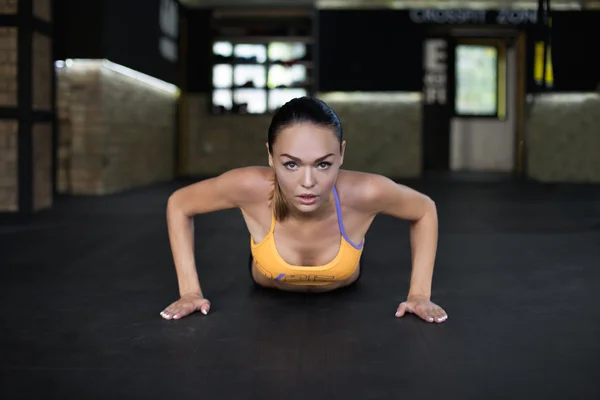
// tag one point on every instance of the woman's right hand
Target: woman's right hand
(186, 305)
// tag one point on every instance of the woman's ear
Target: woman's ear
(343, 151)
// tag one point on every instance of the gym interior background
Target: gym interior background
(491, 107)
(105, 96)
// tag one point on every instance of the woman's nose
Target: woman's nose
(308, 178)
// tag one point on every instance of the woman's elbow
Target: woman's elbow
(175, 204)
(430, 204)
(429, 208)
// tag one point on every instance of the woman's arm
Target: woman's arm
(232, 189)
(404, 203)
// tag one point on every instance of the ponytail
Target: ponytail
(280, 206)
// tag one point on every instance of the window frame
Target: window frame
(307, 86)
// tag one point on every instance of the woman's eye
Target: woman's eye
(293, 165)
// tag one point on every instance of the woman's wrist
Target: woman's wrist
(418, 296)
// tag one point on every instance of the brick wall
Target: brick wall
(66, 89)
(382, 130)
(115, 133)
(42, 72)
(563, 138)
(141, 133)
(42, 9)
(42, 61)
(8, 6)
(8, 98)
(8, 67)
(384, 136)
(8, 165)
(41, 133)
(80, 130)
(217, 143)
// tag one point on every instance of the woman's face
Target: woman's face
(306, 159)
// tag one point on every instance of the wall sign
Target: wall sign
(435, 65)
(460, 16)
(437, 110)
(168, 18)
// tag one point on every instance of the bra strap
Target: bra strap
(338, 209)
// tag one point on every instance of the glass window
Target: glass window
(278, 97)
(284, 52)
(249, 76)
(253, 101)
(280, 75)
(222, 98)
(222, 76)
(476, 80)
(256, 53)
(256, 78)
(222, 51)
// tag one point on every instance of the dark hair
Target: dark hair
(299, 110)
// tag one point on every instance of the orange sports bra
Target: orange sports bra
(270, 264)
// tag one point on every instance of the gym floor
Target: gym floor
(518, 271)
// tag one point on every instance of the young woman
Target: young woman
(306, 217)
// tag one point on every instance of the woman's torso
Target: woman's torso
(311, 252)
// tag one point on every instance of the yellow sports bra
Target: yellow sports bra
(270, 264)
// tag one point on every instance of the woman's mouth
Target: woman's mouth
(307, 199)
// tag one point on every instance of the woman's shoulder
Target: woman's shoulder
(255, 173)
(252, 183)
(362, 190)
(241, 188)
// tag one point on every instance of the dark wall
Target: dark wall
(78, 29)
(382, 50)
(358, 50)
(131, 37)
(197, 49)
(575, 60)
(369, 50)
(124, 31)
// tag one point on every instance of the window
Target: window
(477, 81)
(258, 78)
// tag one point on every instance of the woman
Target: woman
(306, 217)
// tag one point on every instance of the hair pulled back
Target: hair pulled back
(299, 110)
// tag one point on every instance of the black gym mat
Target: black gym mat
(518, 271)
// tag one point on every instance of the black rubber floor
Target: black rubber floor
(518, 272)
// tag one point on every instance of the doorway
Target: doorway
(480, 126)
(483, 125)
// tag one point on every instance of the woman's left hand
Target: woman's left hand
(424, 308)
